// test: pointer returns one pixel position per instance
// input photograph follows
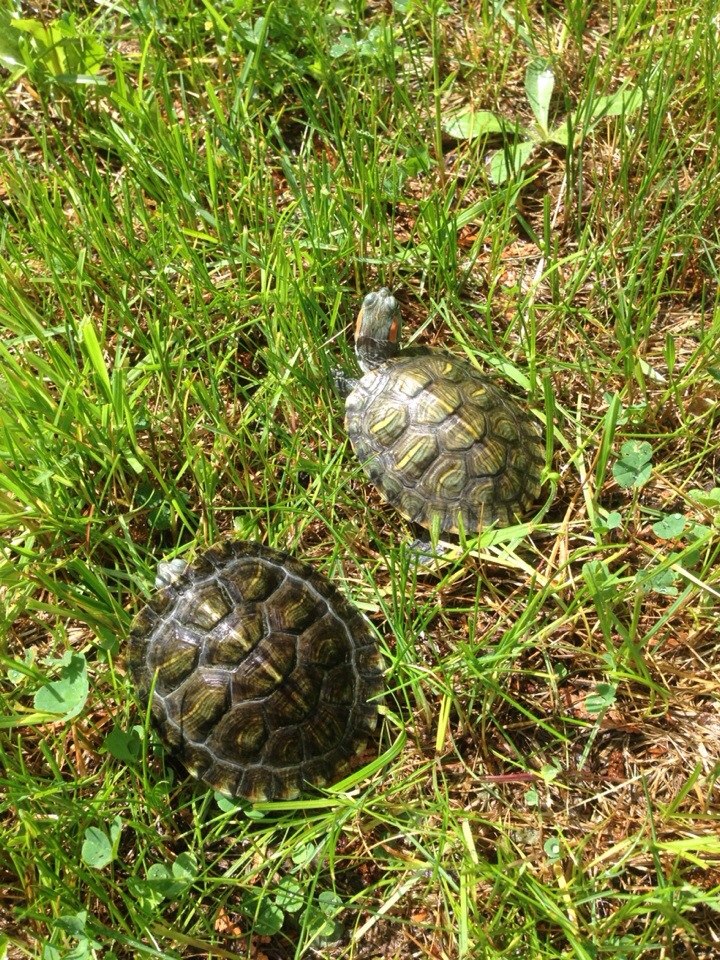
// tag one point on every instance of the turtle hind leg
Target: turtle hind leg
(425, 552)
(426, 547)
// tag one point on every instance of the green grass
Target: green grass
(184, 246)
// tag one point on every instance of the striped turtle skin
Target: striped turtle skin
(263, 677)
(445, 445)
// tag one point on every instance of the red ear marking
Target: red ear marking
(358, 324)
(393, 331)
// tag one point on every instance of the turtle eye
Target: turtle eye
(370, 302)
(390, 303)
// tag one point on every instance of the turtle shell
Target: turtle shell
(261, 673)
(445, 445)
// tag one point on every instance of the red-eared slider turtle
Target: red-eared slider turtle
(262, 675)
(444, 444)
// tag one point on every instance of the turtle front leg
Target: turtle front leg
(344, 384)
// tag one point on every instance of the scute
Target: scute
(414, 453)
(509, 486)
(239, 735)
(258, 783)
(285, 747)
(412, 380)
(326, 732)
(295, 606)
(174, 659)
(446, 478)
(240, 654)
(388, 422)
(325, 643)
(506, 429)
(462, 431)
(436, 403)
(198, 704)
(240, 633)
(207, 608)
(488, 459)
(266, 669)
(297, 698)
(468, 456)
(338, 684)
(256, 581)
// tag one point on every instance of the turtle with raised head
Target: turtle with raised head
(447, 446)
(262, 678)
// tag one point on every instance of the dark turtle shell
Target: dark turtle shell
(262, 674)
(445, 445)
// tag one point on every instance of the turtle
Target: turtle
(452, 450)
(262, 678)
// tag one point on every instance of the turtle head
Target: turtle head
(377, 331)
(169, 572)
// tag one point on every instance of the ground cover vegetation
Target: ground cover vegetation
(195, 196)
